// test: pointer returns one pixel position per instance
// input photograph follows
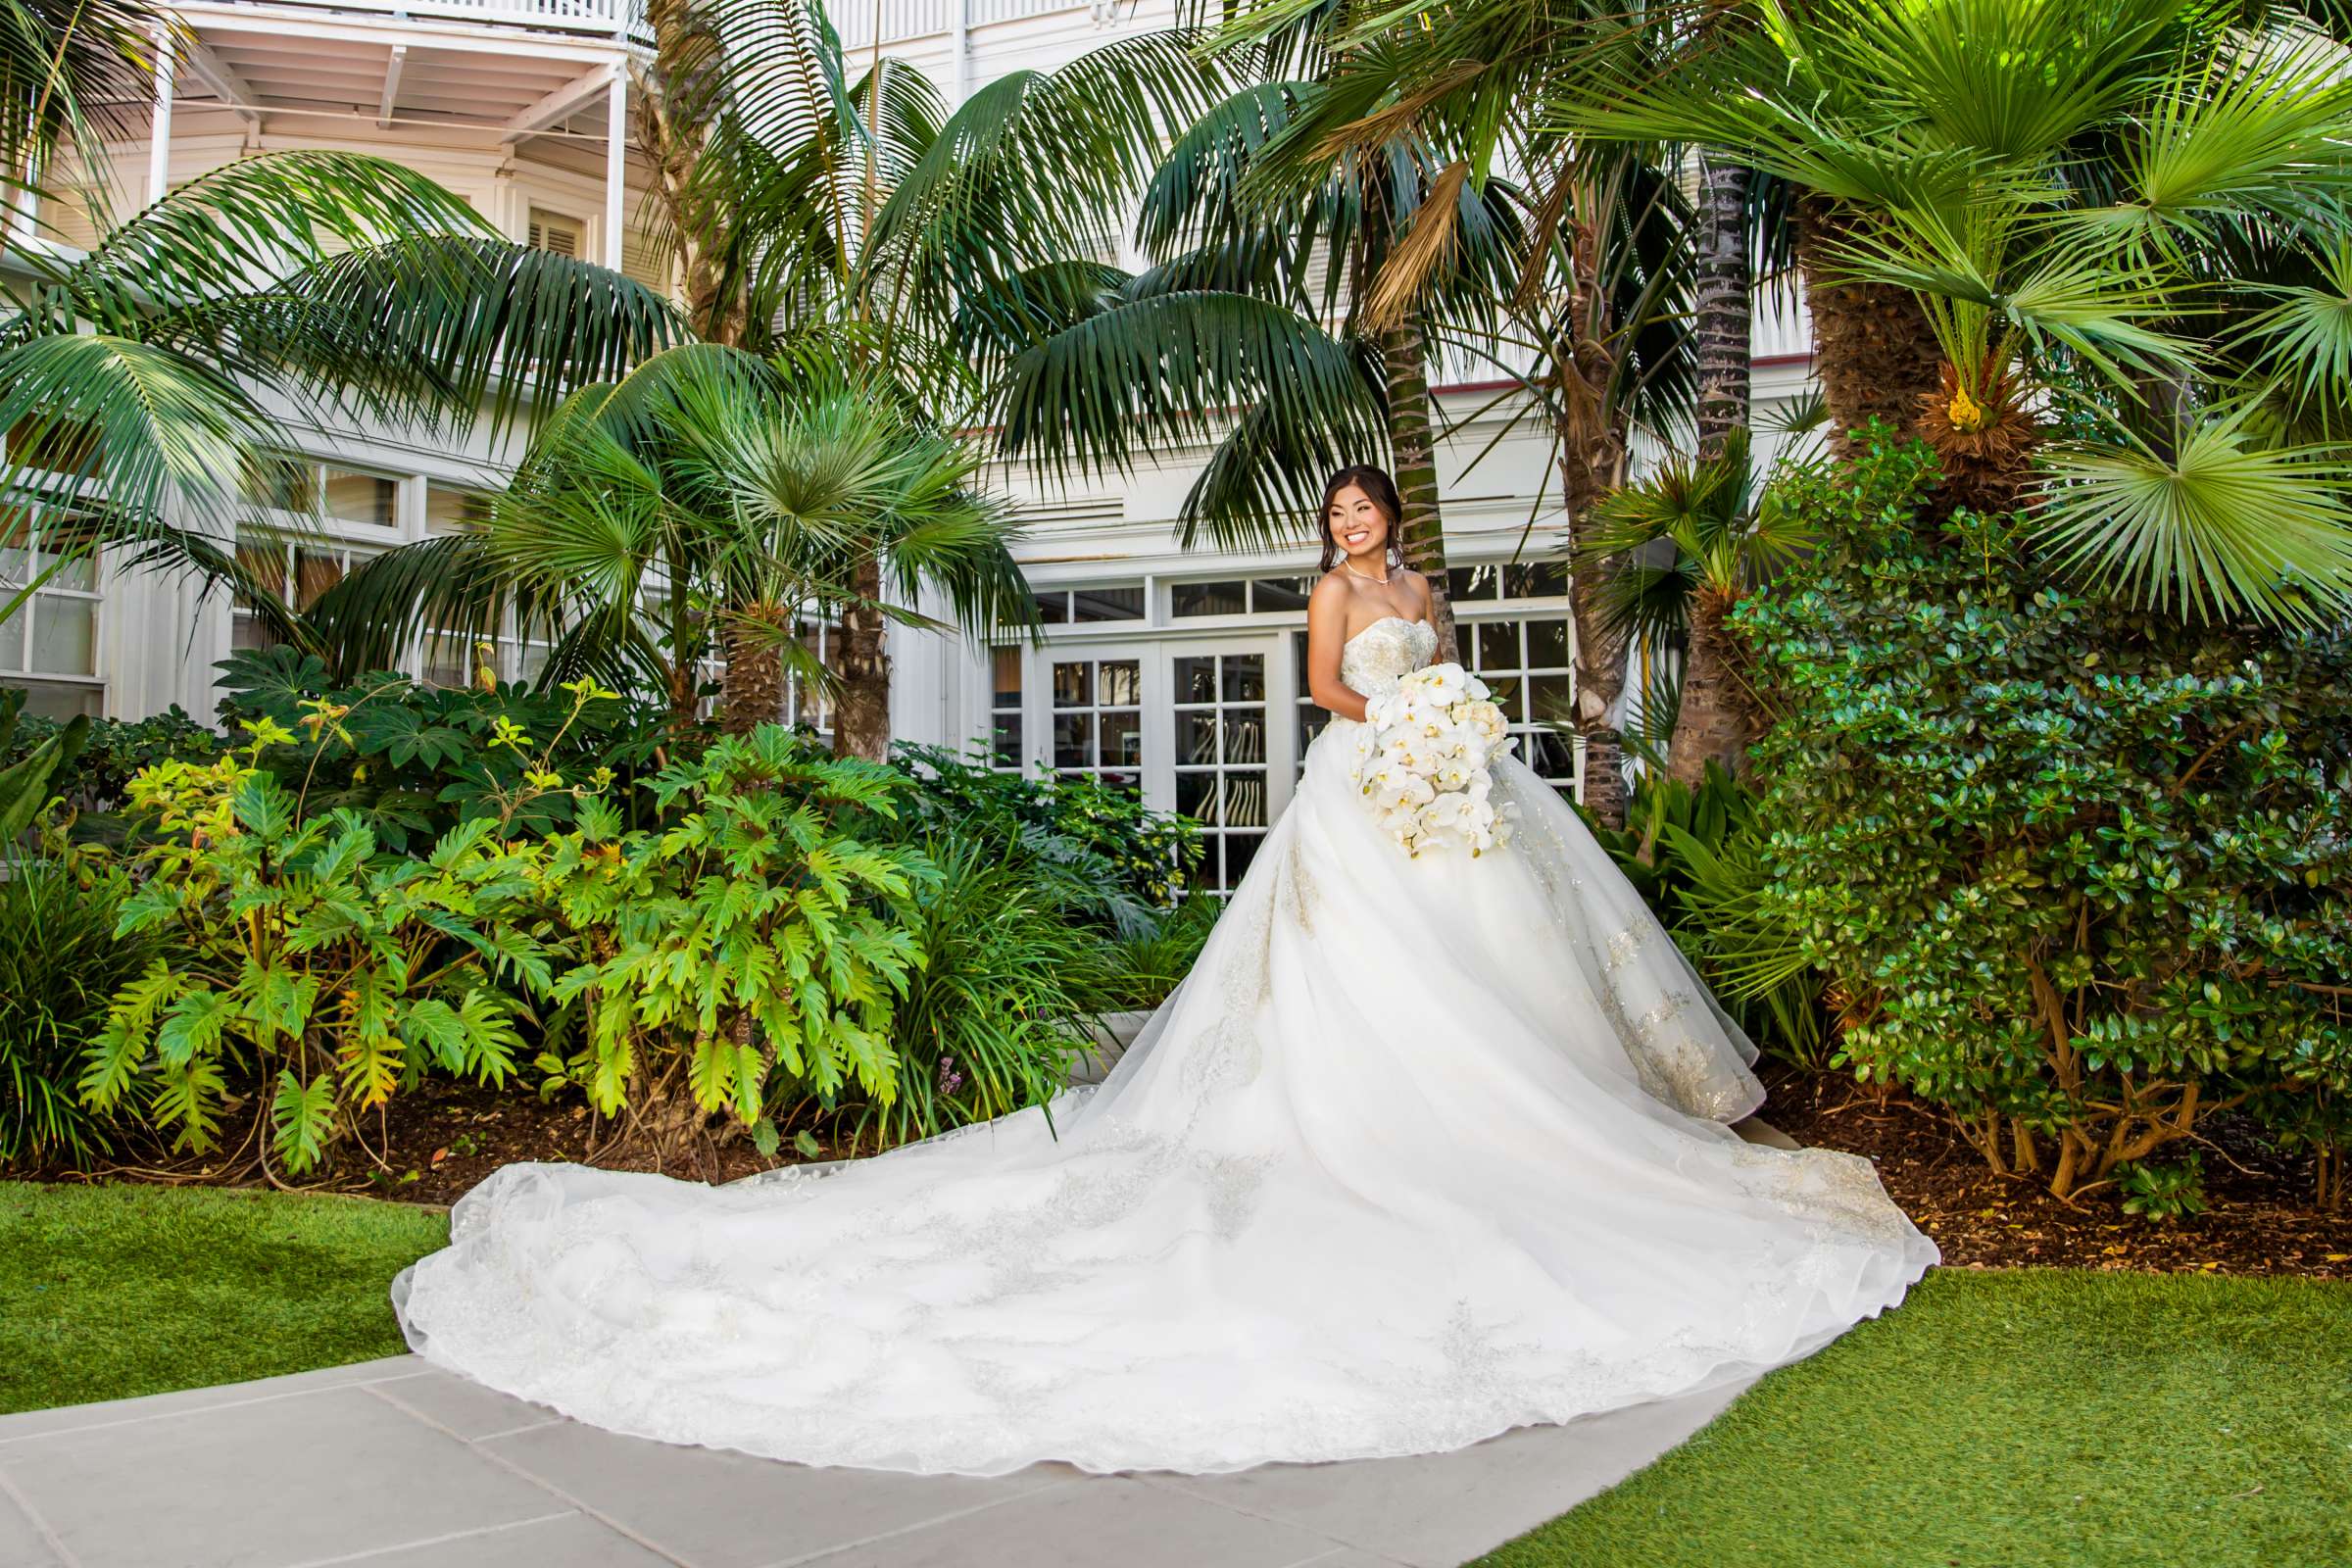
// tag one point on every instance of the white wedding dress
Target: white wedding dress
(1422, 1150)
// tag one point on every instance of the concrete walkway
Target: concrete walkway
(398, 1466)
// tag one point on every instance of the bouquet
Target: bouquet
(1421, 759)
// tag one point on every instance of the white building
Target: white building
(1181, 672)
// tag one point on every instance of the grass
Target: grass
(109, 1292)
(2016, 1419)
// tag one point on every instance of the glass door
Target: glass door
(1221, 759)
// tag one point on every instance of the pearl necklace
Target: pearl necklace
(1367, 576)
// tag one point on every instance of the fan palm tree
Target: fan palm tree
(137, 381)
(709, 503)
(1729, 529)
(2129, 211)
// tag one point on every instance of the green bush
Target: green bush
(416, 761)
(2077, 872)
(61, 963)
(98, 779)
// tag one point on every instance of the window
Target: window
(1523, 579)
(1064, 607)
(1238, 596)
(293, 573)
(552, 231)
(1312, 715)
(1221, 778)
(308, 491)
(1099, 721)
(1005, 710)
(49, 648)
(804, 698)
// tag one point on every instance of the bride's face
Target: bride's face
(1357, 523)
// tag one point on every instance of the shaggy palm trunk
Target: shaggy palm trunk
(1722, 304)
(675, 103)
(1412, 449)
(1873, 350)
(1717, 717)
(862, 716)
(751, 692)
(1587, 474)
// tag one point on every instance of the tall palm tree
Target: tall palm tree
(2132, 208)
(1301, 292)
(71, 73)
(134, 381)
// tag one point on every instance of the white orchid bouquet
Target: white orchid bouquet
(1421, 759)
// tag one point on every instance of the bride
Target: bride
(1424, 1147)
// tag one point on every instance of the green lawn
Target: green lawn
(2016, 1419)
(106, 1292)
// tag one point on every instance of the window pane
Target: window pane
(1548, 645)
(1123, 740)
(1244, 677)
(1073, 740)
(1470, 582)
(1298, 662)
(1281, 593)
(1108, 604)
(1119, 684)
(314, 574)
(1498, 645)
(267, 562)
(1506, 694)
(1535, 580)
(362, 498)
(1196, 679)
(1195, 796)
(1195, 738)
(1006, 665)
(1240, 850)
(1553, 698)
(1550, 753)
(15, 559)
(1244, 738)
(12, 641)
(1054, 609)
(1208, 598)
(449, 509)
(1073, 684)
(65, 638)
(290, 485)
(1006, 742)
(1245, 799)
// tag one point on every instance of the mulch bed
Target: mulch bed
(2259, 1218)
(433, 1146)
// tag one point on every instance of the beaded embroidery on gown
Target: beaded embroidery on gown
(1422, 1150)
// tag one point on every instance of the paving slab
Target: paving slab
(397, 1464)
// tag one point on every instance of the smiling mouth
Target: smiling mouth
(1357, 536)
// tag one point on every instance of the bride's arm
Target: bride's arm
(1326, 635)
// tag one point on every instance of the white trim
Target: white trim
(277, 22)
(394, 65)
(158, 138)
(560, 104)
(617, 166)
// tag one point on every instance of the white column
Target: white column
(963, 45)
(616, 163)
(159, 151)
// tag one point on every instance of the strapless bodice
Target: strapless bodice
(1376, 659)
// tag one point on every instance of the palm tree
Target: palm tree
(1304, 284)
(71, 73)
(2129, 213)
(1730, 529)
(134, 379)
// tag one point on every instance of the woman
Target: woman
(1424, 1147)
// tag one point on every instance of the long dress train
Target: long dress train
(1421, 1149)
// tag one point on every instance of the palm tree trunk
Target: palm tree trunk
(751, 692)
(676, 102)
(1723, 304)
(1587, 473)
(1873, 350)
(861, 716)
(1413, 449)
(1716, 720)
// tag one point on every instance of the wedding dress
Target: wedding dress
(1421, 1149)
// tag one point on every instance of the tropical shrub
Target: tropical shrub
(414, 761)
(1098, 852)
(1697, 858)
(312, 972)
(2077, 872)
(752, 952)
(61, 963)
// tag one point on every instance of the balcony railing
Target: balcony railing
(607, 17)
(903, 20)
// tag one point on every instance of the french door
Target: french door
(1198, 726)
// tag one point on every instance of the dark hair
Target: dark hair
(1373, 482)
